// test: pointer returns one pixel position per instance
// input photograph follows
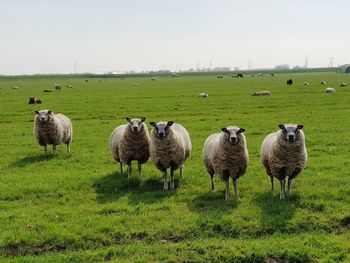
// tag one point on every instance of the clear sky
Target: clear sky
(49, 36)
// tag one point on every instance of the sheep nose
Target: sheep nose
(161, 135)
(135, 129)
(291, 137)
(233, 139)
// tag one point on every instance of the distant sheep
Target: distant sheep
(289, 82)
(153, 79)
(262, 93)
(136, 84)
(330, 90)
(323, 82)
(239, 75)
(260, 75)
(33, 100)
(220, 76)
(226, 155)
(203, 95)
(46, 90)
(14, 87)
(52, 129)
(69, 86)
(283, 154)
(169, 148)
(306, 84)
(58, 86)
(129, 142)
(342, 84)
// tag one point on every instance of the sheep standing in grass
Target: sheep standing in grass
(170, 147)
(323, 82)
(283, 154)
(129, 142)
(52, 129)
(203, 95)
(58, 86)
(306, 84)
(262, 93)
(342, 84)
(227, 156)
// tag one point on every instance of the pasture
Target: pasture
(80, 208)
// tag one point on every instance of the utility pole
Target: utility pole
(306, 62)
(331, 62)
(75, 67)
(210, 64)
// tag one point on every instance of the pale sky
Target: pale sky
(49, 36)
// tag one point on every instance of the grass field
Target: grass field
(80, 208)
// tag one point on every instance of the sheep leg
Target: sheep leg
(289, 187)
(68, 148)
(45, 149)
(139, 167)
(227, 194)
(181, 172)
(272, 184)
(121, 167)
(235, 189)
(212, 182)
(283, 189)
(172, 183)
(54, 148)
(165, 181)
(129, 170)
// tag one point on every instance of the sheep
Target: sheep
(283, 154)
(46, 90)
(69, 86)
(262, 93)
(323, 82)
(225, 154)
(55, 129)
(203, 95)
(136, 84)
(220, 76)
(289, 82)
(239, 75)
(330, 90)
(342, 84)
(33, 100)
(14, 87)
(170, 147)
(58, 86)
(129, 142)
(306, 84)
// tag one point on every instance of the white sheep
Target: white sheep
(342, 84)
(323, 82)
(129, 142)
(262, 93)
(203, 95)
(283, 154)
(306, 84)
(330, 90)
(169, 148)
(52, 129)
(225, 154)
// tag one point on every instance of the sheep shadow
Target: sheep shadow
(115, 185)
(28, 160)
(212, 203)
(275, 214)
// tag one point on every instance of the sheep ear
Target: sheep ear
(128, 119)
(281, 126)
(36, 112)
(241, 130)
(49, 112)
(152, 123)
(143, 119)
(300, 126)
(224, 130)
(170, 123)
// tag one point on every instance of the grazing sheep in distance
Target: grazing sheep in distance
(330, 90)
(129, 142)
(47, 90)
(153, 79)
(169, 148)
(58, 86)
(289, 82)
(220, 76)
(306, 84)
(52, 129)
(342, 84)
(203, 95)
(239, 75)
(33, 100)
(135, 84)
(323, 82)
(262, 93)
(283, 154)
(225, 154)
(69, 86)
(14, 87)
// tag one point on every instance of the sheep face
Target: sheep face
(43, 116)
(135, 125)
(161, 129)
(31, 100)
(290, 132)
(233, 134)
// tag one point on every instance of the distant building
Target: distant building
(345, 68)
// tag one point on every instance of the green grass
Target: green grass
(78, 208)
